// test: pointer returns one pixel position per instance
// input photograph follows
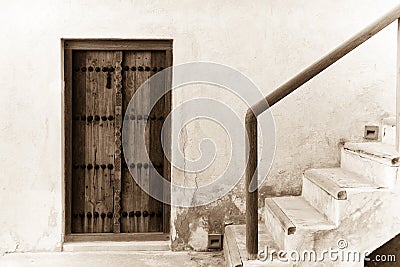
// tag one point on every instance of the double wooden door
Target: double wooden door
(105, 198)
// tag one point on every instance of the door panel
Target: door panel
(156, 153)
(141, 213)
(93, 97)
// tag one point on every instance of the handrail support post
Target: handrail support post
(251, 197)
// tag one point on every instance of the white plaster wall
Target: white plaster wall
(267, 40)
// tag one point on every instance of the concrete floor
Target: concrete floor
(114, 259)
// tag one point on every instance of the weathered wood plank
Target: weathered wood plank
(67, 146)
(79, 143)
(143, 61)
(118, 44)
(90, 145)
(167, 144)
(117, 139)
(109, 144)
(128, 224)
(156, 152)
(101, 158)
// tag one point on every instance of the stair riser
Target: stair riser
(378, 173)
(227, 255)
(301, 239)
(274, 227)
(322, 201)
(388, 134)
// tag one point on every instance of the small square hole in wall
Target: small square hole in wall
(215, 241)
(371, 132)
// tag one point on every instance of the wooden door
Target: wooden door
(105, 197)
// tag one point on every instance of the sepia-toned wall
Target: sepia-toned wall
(269, 41)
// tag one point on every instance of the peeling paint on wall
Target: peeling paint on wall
(194, 224)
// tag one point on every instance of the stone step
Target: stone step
(376, 161)
(116, 246)
(235, 248)
(326, 190)
(389, 130)
(292, 222)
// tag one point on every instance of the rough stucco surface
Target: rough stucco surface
(269, 41)
(366, 224)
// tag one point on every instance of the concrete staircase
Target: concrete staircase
(350, 208)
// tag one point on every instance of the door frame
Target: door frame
(67, 47)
